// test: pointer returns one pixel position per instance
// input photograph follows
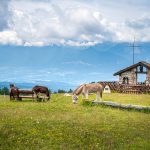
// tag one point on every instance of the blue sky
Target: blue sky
(71, 41)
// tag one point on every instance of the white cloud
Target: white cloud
(141, 23)
(73, 22)
(78, 63)
(10, 37)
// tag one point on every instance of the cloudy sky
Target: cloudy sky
(71, 41)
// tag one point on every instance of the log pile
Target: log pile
(118, 105)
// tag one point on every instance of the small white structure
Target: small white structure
(107, 89)
(67, 94)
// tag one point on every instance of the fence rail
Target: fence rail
(124, 88)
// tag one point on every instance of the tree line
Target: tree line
(4, 91)
(63, 91)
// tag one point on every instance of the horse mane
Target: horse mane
(78, 90)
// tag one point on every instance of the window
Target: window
(125, 80)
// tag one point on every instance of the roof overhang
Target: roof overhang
(142, 63)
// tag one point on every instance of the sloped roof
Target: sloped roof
(142, 63)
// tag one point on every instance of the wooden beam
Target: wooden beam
(144, 72)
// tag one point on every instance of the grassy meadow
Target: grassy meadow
(59, 124)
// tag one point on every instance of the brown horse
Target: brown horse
(14, 92)
(42, 90)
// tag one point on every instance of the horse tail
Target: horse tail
(101, 90)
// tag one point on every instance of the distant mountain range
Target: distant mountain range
(54, 86)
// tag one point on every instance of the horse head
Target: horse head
(74, 98)
(77, 92)
(12, 85)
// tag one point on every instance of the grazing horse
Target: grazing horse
(85, 89)
(41, 90)
(14, 92)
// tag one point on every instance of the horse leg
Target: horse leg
(44, 98)
(87, 95)
(101, 93)
(98, 96)
(35, 96)
(10, 96)
(18, 96)
(83, 95)
(48, 96)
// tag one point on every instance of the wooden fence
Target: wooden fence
(124, 88)
(136, 89)
(113, 85)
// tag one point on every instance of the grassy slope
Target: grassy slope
(61, 125)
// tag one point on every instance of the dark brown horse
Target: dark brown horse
(41, 89)
(14, 92)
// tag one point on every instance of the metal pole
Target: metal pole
(133, 54)
(134, 46)
(133, 49)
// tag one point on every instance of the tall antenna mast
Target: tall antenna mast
(133, 45)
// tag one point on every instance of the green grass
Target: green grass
(59, 124)
(141, 99)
